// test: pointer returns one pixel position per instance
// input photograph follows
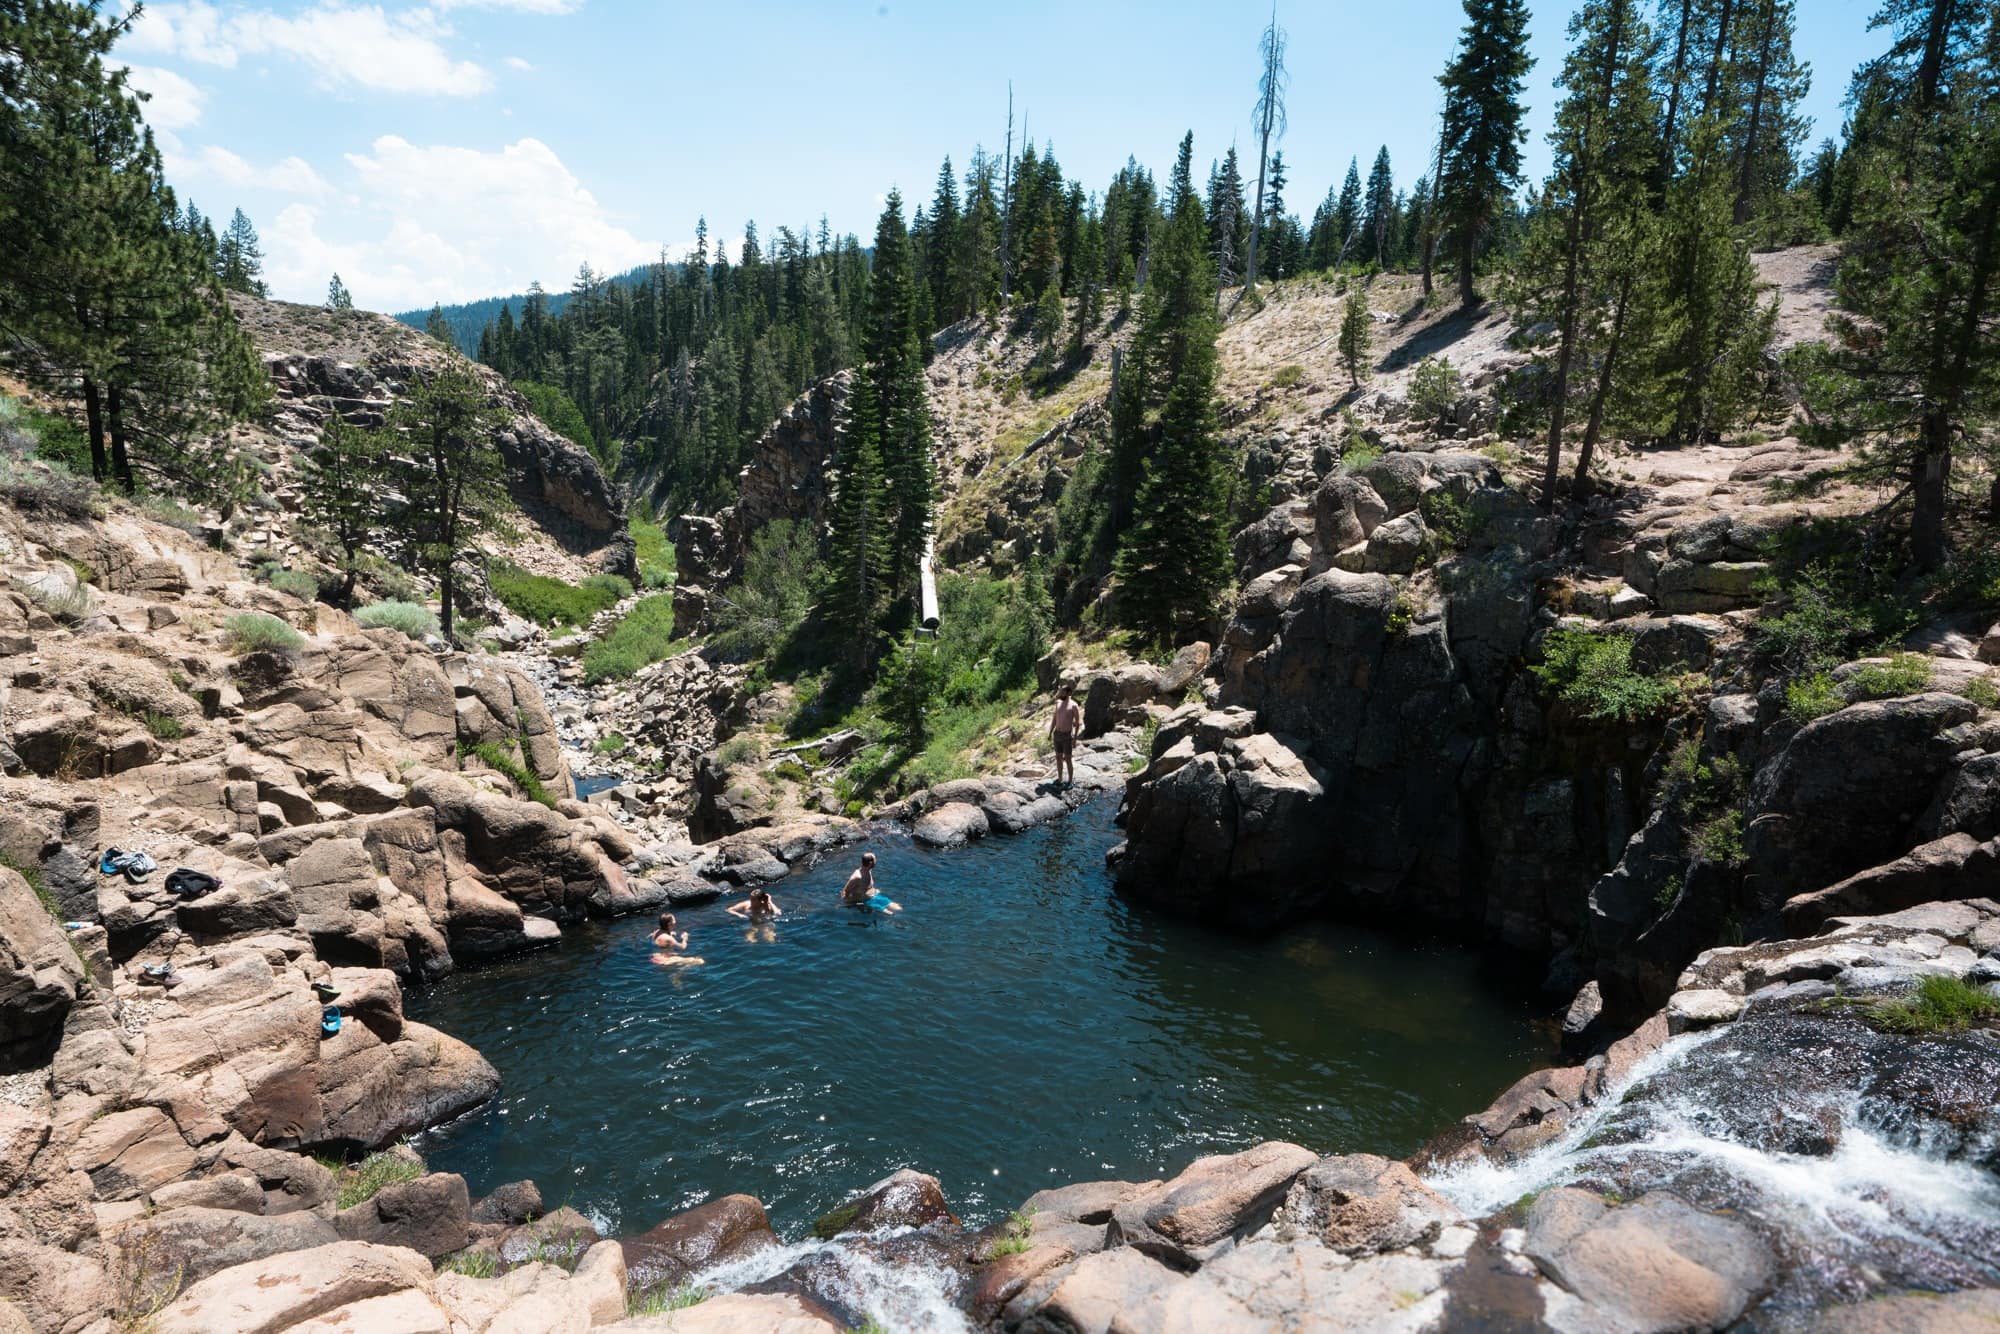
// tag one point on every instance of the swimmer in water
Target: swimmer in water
(860, 891)
(668, 943)
(759, 907)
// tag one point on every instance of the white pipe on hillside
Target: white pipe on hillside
(927, 582)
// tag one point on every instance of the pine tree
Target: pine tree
(438, 327)
(1356, 337)
(1378, 219)
(892, 349)
(857, 540)
(1483, 127)
(1228, 220)
(348, 475)
(1771, 130)
(339, 298)
(242, 257)
(1916, 346)
(1577, 271)
(1347, 212)
(947, 299)
(1173, 553)
(453, 483)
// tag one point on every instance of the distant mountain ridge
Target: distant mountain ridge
(468, 319)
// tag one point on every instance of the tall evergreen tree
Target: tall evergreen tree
(242, 257)
(1347, 212)
(1483, 127)
(892, 349)
(339, 298)
(454, 482)
(1378, 219)
(348, 477)
(857, 528)
(1228, 220)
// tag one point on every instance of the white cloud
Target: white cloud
(444, 223)
(172, 102)
(290, 175)
(358, 45)
(519, 6)
(515, 62)
(193, 31)
(366, 47)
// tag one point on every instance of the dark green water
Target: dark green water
(1017, 1026)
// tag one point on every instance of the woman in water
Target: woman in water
(668, 943)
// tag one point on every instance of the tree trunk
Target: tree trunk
(121, 459)
(1602, 395)
(1746, 170)
(1431, 212)
(1931, 486)
(1675, 80)
(1467, 245)
(93, 414)
(1717, 56)
(1930, 71)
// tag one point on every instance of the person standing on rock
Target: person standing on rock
(1064, 724)
(860, 891)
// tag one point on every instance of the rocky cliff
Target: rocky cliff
(356, 363)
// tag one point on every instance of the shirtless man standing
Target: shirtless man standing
(1063, 727)
(860, 892)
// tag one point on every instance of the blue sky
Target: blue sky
(455, 149)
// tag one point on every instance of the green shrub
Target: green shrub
(501, 760)
(608, 744)
(652, 552)
(1451, 521)
(644, 635)
(359, 1182)
(547, 601)
(560, 412)
(1433, 389)
(1359, 453)
(298, 583)
(1813, 697)
(164, 727)
(411, 618)
(908, 686)
(1287, 376)
(167, 510)
(1594, 673)
(1981, 691)
(1939, 1005)
(792, 771)
(68, 605)
(774, 592)
(1670, 889)
(261, 632)
(1719, 839)
(736, 750)
(1903, 674)
(1829, 614)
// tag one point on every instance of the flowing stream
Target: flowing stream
(1017, 1026)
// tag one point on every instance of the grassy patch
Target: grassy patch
(1013, 1238)
(1286, 376)
(1594, 673)
(1939, 1005)
(643, 636)
(67, 605)
(608, 744)
(736, 750)
(411, 618)
(299, 583)
(1981, 691)
(1903, 674)
(1812, 697)
(261, 632)
(501, 760)
(360, 1182)
(471, 1263)
(546, 601)
(661, 1298)
(652, 551)
(164, 727)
